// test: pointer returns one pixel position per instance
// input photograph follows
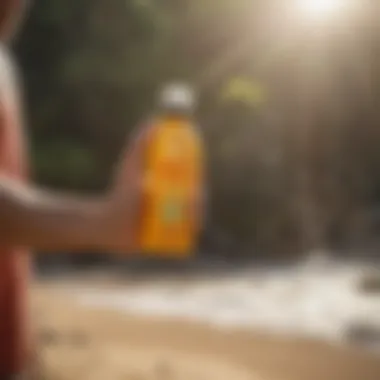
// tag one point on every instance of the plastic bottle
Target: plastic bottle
(173, 164)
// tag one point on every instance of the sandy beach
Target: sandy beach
(77, 342)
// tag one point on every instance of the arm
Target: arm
(43, 220)
(34, 218)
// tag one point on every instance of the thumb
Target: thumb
(129, 174)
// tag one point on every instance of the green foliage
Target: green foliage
(64, 164)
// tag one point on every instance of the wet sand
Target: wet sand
(79, 343)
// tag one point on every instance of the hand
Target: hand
(123, 208)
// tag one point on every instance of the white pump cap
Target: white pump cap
(178, 96)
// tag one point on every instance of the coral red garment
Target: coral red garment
(14, 262)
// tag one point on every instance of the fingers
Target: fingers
(132, 156)
(129, 175)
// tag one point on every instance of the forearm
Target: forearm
(40, 220)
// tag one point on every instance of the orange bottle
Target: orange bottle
(170, 217)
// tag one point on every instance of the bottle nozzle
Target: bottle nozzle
(177, 97)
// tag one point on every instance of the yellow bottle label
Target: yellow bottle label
(173, 163)
(172, 212)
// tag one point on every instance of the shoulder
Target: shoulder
(8, 76)
(7, 64)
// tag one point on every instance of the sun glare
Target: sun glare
(320, 9)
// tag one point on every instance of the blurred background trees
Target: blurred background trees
(290, 115)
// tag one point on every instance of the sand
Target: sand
(79, 343)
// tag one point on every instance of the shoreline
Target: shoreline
(128, 347)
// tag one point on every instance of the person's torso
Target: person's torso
(15, 334)
(14, 261)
